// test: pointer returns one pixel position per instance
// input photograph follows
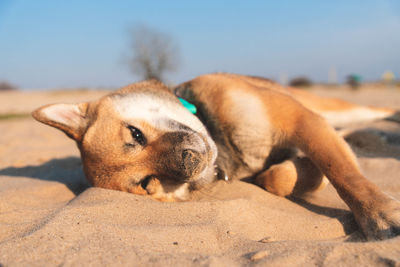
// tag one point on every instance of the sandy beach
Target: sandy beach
(50, 216)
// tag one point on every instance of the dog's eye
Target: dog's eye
(137, 135)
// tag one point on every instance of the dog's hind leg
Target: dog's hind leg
(296, 176)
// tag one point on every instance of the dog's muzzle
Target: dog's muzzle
(191, 162)
(187, 164)
(183, 156)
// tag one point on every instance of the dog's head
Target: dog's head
(139, 139)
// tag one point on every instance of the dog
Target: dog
(141, 139)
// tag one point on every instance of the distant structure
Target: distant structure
(302, 82)
(283, 78)
(354, 81)
(332, 75)
(388, 77)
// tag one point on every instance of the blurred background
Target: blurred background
(108, 44)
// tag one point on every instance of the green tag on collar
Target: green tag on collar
(189, 106)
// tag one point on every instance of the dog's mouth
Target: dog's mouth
(163, 190)
(182, 168)
(172, 190)
(145, 182)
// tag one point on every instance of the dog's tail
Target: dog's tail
(339, 112)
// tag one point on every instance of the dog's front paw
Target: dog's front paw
(381, 221)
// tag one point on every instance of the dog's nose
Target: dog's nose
(190, 161)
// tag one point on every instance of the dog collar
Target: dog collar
(189, 106)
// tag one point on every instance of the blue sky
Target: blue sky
(53, 44)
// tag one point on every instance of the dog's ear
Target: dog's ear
(69, 118)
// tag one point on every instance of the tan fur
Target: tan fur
(256, 124)
(336, 111)
(286, 122)
(297, 176)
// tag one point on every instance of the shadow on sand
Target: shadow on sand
(66, 170)
(371, 143)
(345, 217)
(380, 138)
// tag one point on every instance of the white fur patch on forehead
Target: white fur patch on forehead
(154, 110)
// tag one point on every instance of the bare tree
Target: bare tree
(152, 53)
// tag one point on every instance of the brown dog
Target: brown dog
(140, 139)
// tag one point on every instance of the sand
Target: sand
(50, 216)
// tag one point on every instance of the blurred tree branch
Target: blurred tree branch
(152, 53)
